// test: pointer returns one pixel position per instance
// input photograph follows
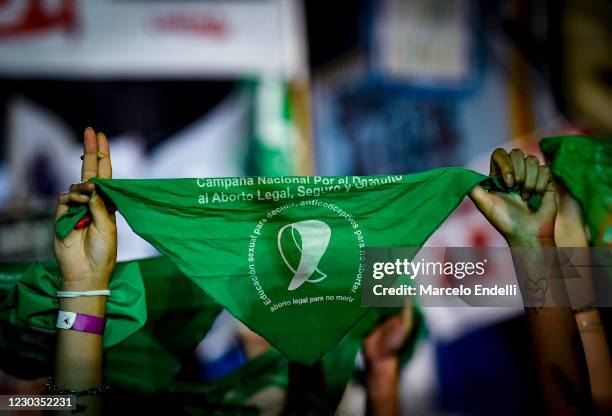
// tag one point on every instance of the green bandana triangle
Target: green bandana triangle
(283, 254)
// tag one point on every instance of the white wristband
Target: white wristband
(71, 294)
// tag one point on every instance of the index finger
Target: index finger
(89, 168)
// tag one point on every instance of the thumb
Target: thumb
(100, 215)
(481, 198)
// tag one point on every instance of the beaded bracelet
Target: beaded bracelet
(52, 389)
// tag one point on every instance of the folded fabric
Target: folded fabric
(584, 166)
(32, 302)
(146, 358)
(178, 317)
(284, 254)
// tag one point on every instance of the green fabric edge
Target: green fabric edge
(66, 223)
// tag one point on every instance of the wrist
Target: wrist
(383, 369)
(90, 305)
(381, 378)
(85, 283)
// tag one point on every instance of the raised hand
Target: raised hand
(380, 349)
(87, 256)
(558, 359)
(382, 345)
(509, 212)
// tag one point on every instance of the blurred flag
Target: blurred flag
(274, 130)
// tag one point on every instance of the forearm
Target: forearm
(570, 232)
(382, 386)
(598, 360)
(86, 257)
(557, 351)
(78, 364)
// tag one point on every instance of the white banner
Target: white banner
(134, 38)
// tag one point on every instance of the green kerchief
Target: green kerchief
(584, 166)
(283, 254)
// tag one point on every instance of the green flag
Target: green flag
(284, 254)
(584, 166)
(274, 144)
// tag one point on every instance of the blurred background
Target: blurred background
(289, 87)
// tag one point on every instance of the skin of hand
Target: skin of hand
(508, 212)
(86, 257)
(570, 229)
(382, 345)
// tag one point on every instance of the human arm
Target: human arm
(570, 231)
(557, 353)
(381, 348)
(86, 259)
